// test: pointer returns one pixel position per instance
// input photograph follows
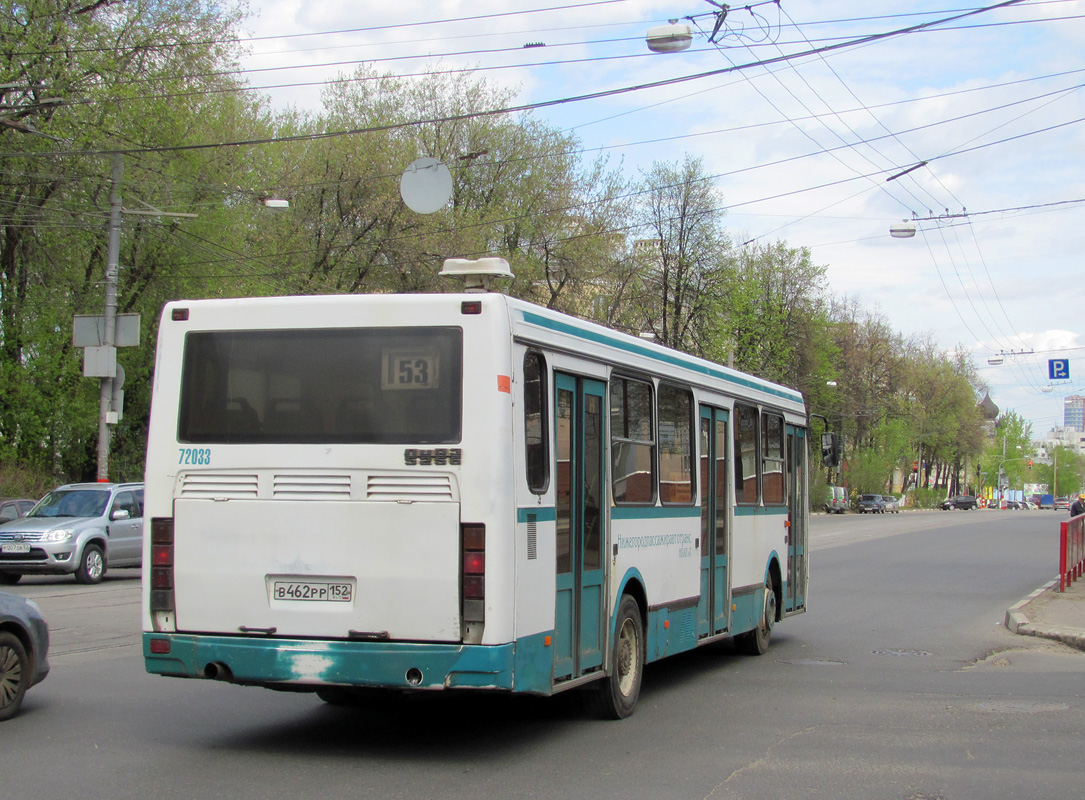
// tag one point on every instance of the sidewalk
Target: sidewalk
(1051, 615)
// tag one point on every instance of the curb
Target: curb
(1018, 622)
(1015, 616)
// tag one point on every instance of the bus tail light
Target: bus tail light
(162, 564)
(473, 577)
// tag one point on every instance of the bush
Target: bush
(926, 498)
(24, 482)
(819, 489)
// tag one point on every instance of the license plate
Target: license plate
(313, 591)
(14, 548)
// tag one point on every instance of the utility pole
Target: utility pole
(101, 336)
(109, 335)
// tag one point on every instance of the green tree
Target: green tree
(1004, 463)
(772, 311)
(519, 189)
(87, 78)
(1063, 472)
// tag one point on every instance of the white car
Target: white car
(836, 501)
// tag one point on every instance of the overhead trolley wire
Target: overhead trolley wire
(526, 106)
(367, 29)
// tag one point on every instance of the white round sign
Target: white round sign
(426, 185)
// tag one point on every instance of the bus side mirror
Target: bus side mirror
(830, 450)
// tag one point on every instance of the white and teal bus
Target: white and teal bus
(457, 492)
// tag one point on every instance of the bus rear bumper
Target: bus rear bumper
(523, 666)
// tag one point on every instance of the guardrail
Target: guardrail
(1071, 551)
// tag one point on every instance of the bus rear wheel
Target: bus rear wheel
(616, 695)
(756, 642)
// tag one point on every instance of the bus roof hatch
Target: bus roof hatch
(477, 273)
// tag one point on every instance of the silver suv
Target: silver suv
(82, 528)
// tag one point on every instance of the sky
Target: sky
(972, 130)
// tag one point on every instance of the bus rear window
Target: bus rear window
(353, 385)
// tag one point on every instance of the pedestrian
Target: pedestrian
(1079, 506)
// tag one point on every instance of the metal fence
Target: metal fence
(1071, 551)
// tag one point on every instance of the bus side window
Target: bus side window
(675, 445)
(632, 446)
(747, 435)
(536, 433)
(772, 458)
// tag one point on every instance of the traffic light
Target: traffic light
(1030, 463)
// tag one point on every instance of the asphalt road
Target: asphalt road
(900, 682)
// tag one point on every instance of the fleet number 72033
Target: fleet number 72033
(195, 455)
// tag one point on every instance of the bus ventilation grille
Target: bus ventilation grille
(396, 488)
(532, 532)
(206, 484)
(311, 486)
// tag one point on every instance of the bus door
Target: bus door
(579, 428)
(712, 610)
(795, 594)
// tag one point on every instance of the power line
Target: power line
(872, 115)
(346, 80)
(526, 106)
(368, 29)
(811, 114)
(431, 56)
(779, 162)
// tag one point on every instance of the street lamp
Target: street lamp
(672, 38)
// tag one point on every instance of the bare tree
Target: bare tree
(683, 254)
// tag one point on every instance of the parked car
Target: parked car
(81, 528)
(24, 650)
(1013, 505)
(965, 502)
(836, 502)
(872, 503)
(892, 505)
(14, 507)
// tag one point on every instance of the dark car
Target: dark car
(873, 503)
(24, 650)
(965, 502)
(14, 507)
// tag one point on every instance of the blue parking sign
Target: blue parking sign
(1058, 369)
